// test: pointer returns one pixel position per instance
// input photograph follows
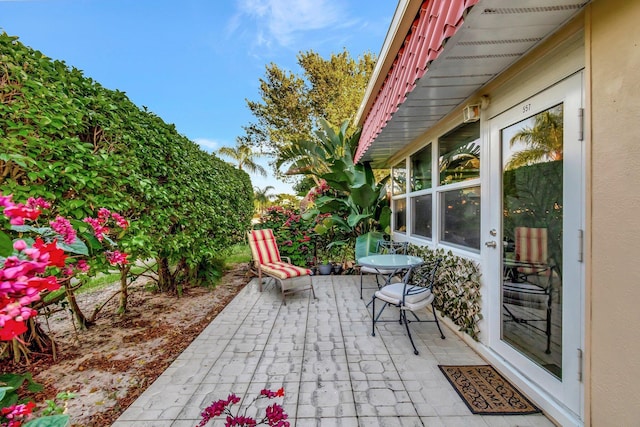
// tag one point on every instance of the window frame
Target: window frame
(436, 191)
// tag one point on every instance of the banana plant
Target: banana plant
(357, 203)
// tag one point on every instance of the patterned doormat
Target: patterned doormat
(486, 392)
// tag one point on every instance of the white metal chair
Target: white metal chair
(413, 293)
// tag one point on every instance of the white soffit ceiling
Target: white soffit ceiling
(495, 34)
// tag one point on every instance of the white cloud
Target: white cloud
(208, 145)
(281, 21)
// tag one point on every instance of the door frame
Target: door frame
(569, 91)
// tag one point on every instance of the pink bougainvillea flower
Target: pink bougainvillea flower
(20, 245)
(120, 220)
(271, 394)
(38, 203)
(17, 213)
(5, 201)
(103, 215)
(15, 267)
(57, 256)
(49, 283)
(99, 230)
(116, 258)
(63, 227)
(82, 266)
(276, 416)
(17, 414)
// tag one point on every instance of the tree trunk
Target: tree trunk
(83, 322)
(124, 288)
(165, 279)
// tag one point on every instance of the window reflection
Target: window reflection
(421, 169)
(461, 217)
(459, 152)
(421, 208)
(399, 176)
(400, 215)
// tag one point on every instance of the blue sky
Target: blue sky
(194, 62)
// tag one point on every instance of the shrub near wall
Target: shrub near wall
(457, 290)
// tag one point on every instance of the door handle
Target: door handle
(491, 244)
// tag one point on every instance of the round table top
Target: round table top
(390, 261)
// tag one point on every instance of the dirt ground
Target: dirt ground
(110, 364)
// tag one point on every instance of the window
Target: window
(461, 217)
(400, 215)
(421, 169)
(399, 177)
(421, 208)
(459, 154)
(444, 190)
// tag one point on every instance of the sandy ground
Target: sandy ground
(110, 364)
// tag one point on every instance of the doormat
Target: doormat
(486, 392)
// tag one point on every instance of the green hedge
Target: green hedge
(66, 138)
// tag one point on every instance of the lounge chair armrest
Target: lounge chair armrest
(286, 258)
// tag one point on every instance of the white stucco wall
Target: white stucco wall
(614, 337)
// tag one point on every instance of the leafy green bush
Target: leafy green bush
(295, 236)
(69, 140)
(457, 289)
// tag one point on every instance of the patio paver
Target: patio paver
(322, 352)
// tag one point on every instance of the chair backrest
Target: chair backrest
(531, 247)
(391, 247)
(425, 275)
(264, 248)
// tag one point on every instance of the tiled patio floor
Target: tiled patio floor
(322, 352)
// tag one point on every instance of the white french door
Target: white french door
(532, 247)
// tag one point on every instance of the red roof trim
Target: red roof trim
(436, 21)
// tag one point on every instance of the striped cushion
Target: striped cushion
(263, 246)
(282, 270)
(531, 247)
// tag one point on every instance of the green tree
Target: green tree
(543, 140)
(244, 156)
(262, 197)
(291, 105)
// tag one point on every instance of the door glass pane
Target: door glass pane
(421, 169)
(399, 177)
(532, 185)
(400, 215)
(459, 154)
(421, 215)
(461, 217)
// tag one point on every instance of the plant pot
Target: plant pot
(325, 269)
(337, 268)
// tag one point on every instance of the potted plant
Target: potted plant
(325, 266)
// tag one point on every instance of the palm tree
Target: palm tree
(543, 139)
(262, 196)
(244, 156)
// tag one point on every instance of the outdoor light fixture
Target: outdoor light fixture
(471, 113)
